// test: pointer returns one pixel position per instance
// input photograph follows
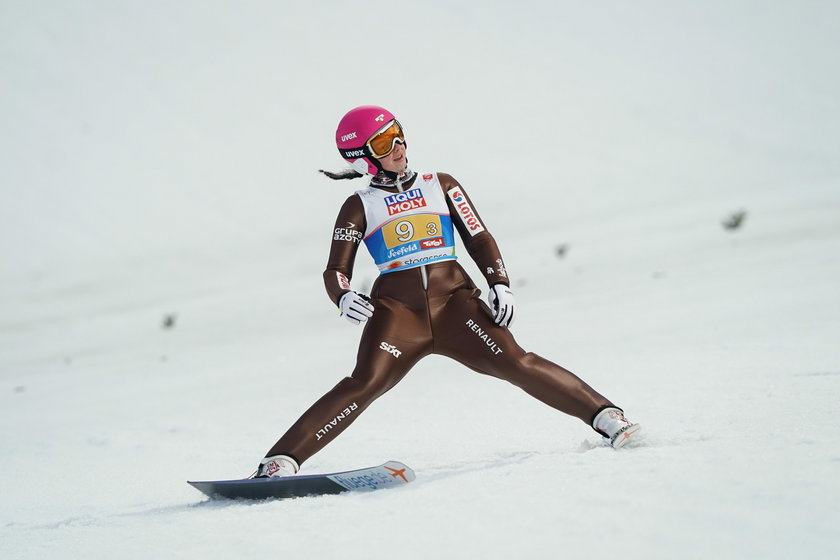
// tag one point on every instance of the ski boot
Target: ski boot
(617, 430)
(276, 465)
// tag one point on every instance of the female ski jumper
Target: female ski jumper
(424, 303)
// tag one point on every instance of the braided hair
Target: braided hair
(344, 174)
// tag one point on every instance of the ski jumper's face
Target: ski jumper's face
(395, 161)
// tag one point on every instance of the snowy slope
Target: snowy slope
(149, 158)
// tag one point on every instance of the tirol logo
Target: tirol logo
(347, 137)
(465, 210)
(432, 243)
(404, 201)
(427, 177)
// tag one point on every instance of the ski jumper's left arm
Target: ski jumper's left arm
(478, 241)
(347, 236)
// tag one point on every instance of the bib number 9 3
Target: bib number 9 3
(412, 228)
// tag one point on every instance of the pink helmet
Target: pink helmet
(353, 132)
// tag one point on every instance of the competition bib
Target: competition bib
(408, 229)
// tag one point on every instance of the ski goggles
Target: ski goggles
(383, 140)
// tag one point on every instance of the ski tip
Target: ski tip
(628, 437)
(399, 471)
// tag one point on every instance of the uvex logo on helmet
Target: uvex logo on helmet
(347, 154)
(353, 132)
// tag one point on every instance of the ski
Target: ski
(387, 475)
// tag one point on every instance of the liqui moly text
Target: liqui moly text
(404, 201)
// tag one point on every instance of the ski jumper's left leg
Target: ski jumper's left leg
(465, 331)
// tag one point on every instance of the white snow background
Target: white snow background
(159, 159)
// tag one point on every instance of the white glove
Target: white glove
(355, 307)
(502, 304)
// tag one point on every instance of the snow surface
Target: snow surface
(158, 159)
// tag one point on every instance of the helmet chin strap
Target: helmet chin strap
(392, 178)
(399, 184)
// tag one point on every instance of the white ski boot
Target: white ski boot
(275, 466)
(617, 430)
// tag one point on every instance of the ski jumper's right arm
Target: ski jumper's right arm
(348, 232)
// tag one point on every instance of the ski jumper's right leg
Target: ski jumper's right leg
(394, 339)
